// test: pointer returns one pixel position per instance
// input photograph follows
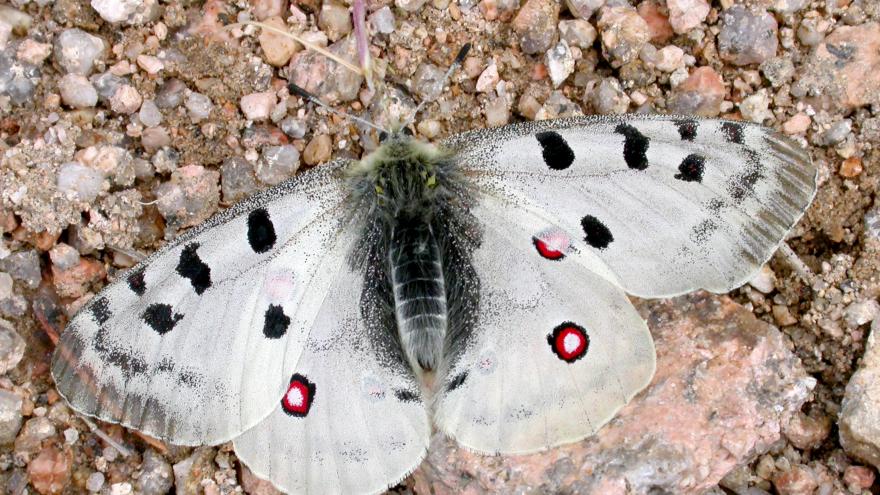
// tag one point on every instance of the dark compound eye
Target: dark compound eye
(300, 395)
(569, 341)
(383, 136)
(407, 131)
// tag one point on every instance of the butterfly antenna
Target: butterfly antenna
(302, 93)
(462, 53)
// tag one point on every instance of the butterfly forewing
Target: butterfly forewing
(192, 345)
(670, 204)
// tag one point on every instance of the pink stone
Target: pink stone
(846, 66)
(797, 124)
(488, 79)
(685, 15)
(33, 52)
(725, 382)
(258, 106)
(658, 23)
(701, 93)
(263, 9)
(859, 477)
(799, 480)
(49, 472)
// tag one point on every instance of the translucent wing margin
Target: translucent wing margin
(669, 204)
(191, 346)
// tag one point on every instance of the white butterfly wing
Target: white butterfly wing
(192, 345)
(556, 349)
(353, 420)
(669, 204)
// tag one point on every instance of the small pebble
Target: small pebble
(35, 431)
(170, 94)
(701, 93)
(851, 167)
(155, 138)
(237, 179)
(748, 35)
(577, 32)
(560, 63)
(199, 106)
(10, 416)
(409, 5)
(797, 124)
(488, 79)
(497, 112)
(383, 20)
(609, 97)
(71, 435)
(669, 58)
(125, 100)
(33, 52)
(278, 163)
(623, 33)
(428, 81)
(258, 106)
(583, 9)
(764, 281)
(685, 15)
(835, 134)
(115, 11)
(318, 150)
(861, 312)
(782, 315)
(429, 128)
(157, 477)
(535, 25)
(277, 49)
(334, 19)
(106, 84)
(150, 64)
(294, 127)
(95, 482)
(79, 182)
(121, 489)
(76, 51)
(799, 480)
(64, 256)
(49, 472)
(24, 267)
(756, 107)
(149, 114)
(858, 478)
(77, 92)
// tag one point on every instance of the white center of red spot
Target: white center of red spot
(572, 342)
(299, 396)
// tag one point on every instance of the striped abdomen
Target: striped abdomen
(419, 292)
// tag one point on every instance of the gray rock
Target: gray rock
(277, 163)
(535, 25)
(778, 70)
(157, 477)
(872, 223)
(835, 134)
(149, 114)
(189, 198)
(106, 85)
(165, 160)
(577, 32)
(170, 94)
(583, 8)
(383, 20)
(18, 79)
(237, 179)
(748, 35)
(808, 31)
(77, 92)
(79, 182)
(610, 98)
(24, 267)
(334, 19)
(199, 106)
(331, 82)
(10, 416)
(428, 81)
(64, 256)
(76, 51)
(11, 347)
(95, 482)
(861, 312)
(859, 420)
(5, 286)
(294, 127)
(409, 5)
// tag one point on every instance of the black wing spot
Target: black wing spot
(732, 132)
(193, 268)
(161, 318)
(691, 168)
(404, 395)
(635, 146)
(101, 310)
(275, 322)
(556, 152)
(456, 382)
(136, 282)
(597, 234)
(261, 231)
(687, 129)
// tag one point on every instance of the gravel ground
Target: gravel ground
(123, 122)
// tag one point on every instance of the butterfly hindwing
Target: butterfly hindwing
(191, 345)
(556, 349)
(669, 204)
(353, 419)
